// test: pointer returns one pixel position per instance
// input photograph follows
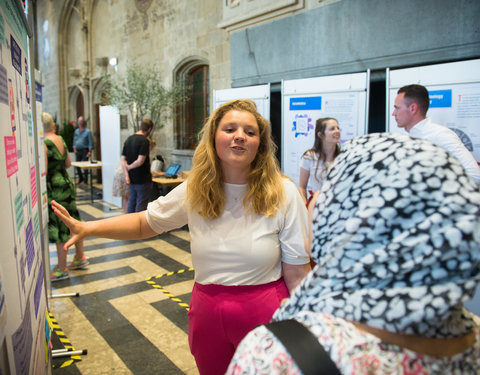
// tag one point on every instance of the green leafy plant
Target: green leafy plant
(141, 93)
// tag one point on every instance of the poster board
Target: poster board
(344, 97)
(110, 140)
(23, 332)
(454, 90)
(41, 155)
(259, 94)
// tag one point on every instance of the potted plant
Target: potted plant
(141, 93)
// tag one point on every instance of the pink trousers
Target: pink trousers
(220, 316)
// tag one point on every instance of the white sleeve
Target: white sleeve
(294, 232)
(306, 162)
(170, 211)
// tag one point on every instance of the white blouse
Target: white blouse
(238, 248)
(318, 170)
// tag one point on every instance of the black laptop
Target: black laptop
(172, 170)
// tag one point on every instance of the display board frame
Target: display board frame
(454, 90)
(344, 97)
(23, 297)
(110, 140)
(260, 94)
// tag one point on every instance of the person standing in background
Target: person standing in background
(136, 163)
(121, 185)
(315, 161)
(410, 112)
(82, 146)
(61, 189)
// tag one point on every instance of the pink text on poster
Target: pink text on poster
(11, 155)
(33, 186)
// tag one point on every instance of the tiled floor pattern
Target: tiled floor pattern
(127, 326)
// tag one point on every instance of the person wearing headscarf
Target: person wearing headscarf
(396, 238)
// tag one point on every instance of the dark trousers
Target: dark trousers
(81, 155)
(139, 197)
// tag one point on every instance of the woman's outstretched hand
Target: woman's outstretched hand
(77, 228)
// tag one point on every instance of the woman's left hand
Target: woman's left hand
(77, 228)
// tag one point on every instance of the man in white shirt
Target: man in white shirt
(410, 110)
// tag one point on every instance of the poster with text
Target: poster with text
(454, 91)
(22, 291)
(302, 107)
(456, 106)
(41, 155)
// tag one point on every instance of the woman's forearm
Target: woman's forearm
(303, 193)
(293, 274)
(125, 227)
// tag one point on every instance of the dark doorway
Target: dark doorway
(80, 106)
(377, 100)
(276, 119)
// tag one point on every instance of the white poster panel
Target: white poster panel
(454, 91)
(259, 94)
(41, 154)
(110, 140)
(343, 97)
(22, 284)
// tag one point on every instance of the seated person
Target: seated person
(157, 173)
(156, 168)
(397, 246)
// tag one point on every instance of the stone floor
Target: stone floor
(127, 325)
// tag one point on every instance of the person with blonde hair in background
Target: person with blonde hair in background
(60, 188)
(248, 227)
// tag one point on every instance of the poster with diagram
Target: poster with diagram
(22, 290)
(343, 97)
(454, 91)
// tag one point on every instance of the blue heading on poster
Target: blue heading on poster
(38, 92)
(440, 98)
(16, 54)
(308, 103)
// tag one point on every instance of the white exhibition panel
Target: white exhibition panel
(41, 155)
(23, 296)
(110, 143)
(343, 97)
(259, 94)
(454, 90)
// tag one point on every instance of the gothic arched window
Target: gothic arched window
(192, 115)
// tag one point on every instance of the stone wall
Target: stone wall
(165, 34)
(47, 44)
(355, 35)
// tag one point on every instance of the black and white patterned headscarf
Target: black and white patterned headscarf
(396, 239)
